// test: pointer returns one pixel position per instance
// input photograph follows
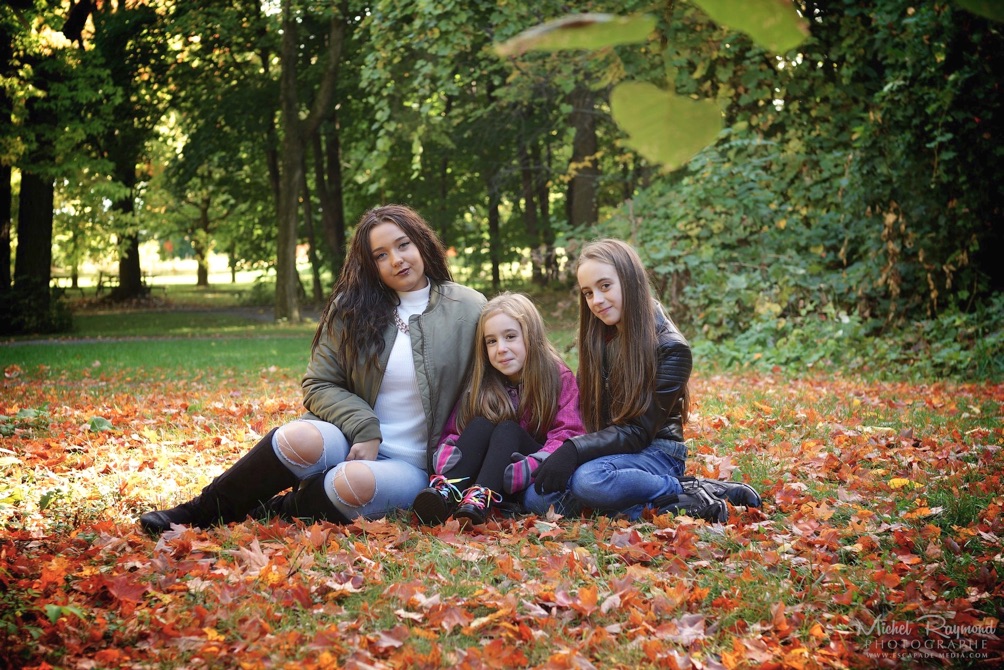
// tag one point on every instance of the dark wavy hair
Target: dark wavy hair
(360, 299)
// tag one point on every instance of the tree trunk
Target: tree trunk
(130, 273)
(200, 243)
(494, 236)
(336, 195)
(6, 193)
(308, 219)
(544, 191)
(582, 203)
(328, 184)
(287, 305)
(33, 265)
(544, 202)
(6, 200)
(530, 221)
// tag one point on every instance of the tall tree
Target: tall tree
(583, 208)
(295, 132)
(130, 40)
(7, 138)
(54, 114)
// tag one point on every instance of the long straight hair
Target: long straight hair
(486, 394)
(360, 299)
(632, 356)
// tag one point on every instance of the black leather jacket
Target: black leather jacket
(663, 419)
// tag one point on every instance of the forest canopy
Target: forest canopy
(841, 172)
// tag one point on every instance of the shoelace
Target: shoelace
(445, 487)
(480, 497)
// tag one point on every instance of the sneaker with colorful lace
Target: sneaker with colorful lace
(435, 504)
(474, 505)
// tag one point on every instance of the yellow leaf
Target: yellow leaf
(782, 224)
(899, 482)
(212, 635)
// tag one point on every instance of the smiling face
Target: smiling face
(397, 259)
(601, 289)
(505, 345)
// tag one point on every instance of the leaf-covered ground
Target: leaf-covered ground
(879, 544)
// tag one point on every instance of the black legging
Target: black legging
(486, 450)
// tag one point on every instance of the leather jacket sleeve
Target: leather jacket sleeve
(671, 377)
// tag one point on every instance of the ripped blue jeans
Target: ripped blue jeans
(396, 482)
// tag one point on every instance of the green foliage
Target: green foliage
(664, 128)
(851, 220)
(759, 282)
(261, 294)
(954, 345)
(991, 9)
(26, 419)
(99, 424)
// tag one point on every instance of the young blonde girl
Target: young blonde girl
(634, 369)
(521, 402)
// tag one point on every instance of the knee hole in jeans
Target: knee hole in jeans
(354, 483)
(300, 443)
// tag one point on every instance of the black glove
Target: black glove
(557, 469)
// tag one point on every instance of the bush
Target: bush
(261, 294)
(28, 309)
(965, 346)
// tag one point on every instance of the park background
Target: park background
(815, 188)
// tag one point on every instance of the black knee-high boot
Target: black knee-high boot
(307, 501)
(255, 478)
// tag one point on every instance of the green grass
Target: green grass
(209, 338)
(179, 324)
(179, 358)
(199, 329)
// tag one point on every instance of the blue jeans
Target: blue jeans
(397, 481)
(620, 484)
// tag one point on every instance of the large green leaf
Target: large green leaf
(991, 9)
(663, 127)
(773, 24)
(580, 31)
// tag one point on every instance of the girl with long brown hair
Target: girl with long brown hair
(634, 369)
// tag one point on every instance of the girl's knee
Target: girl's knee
(589, 476)
(299, 443)
(354, 483)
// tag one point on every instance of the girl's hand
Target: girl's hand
(364, 451)
(557, 469)
(518, 475)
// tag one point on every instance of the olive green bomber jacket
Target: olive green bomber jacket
(442, 338)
